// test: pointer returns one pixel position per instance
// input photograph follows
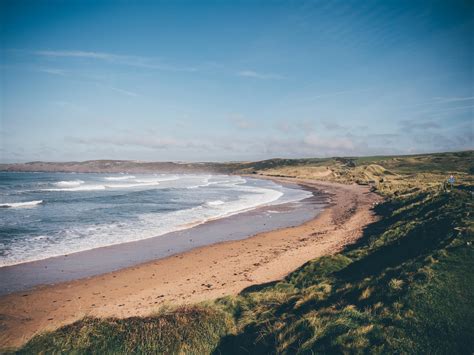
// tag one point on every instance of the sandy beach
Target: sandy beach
(200, 274)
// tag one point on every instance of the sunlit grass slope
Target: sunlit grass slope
(406, 286)
(195, 330)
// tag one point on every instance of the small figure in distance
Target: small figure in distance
(451, 181)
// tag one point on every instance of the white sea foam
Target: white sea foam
(237, 197)
(119, 178)
(230, 182)
(21, 204)
(155, 178)
(40, 237)
(122, 182)
(106, 186)
(79, 188)
(203, 183)
(69, 183)
(128, 186)
(158, 179)
(215, 203)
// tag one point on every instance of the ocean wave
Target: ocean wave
(162, 179)
(21, 204)
(141, 179)
(119, 178)
(233, 196)
(40, 237)
(79, 188)
(138, 184)
(105, 186)
(273, 212)
(206, 183)
(122, 182)
(215, 203)
(148, 225)
(69, 183)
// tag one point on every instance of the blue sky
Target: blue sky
(234, 80)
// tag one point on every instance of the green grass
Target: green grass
(445, 163)
(195, 330)
(406, 286)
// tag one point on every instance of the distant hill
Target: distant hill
(109, 166)
(338, 166)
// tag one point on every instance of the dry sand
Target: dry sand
(200, 274)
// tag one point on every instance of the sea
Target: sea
(44, 215)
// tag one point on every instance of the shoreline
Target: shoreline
(73, 250)
(203, 273)
(27, 276)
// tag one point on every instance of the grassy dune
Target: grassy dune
(194, 329)
(406, 286)
(390, 176)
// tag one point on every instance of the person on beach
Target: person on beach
(451, 180)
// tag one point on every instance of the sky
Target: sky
(234, 80)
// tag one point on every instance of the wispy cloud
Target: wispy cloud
(436, 141)
(338, 93)
(449, 110)
(241, 122)
(53, 71)
(156, 143)
(468, 107)
(135, 61)
(329, 144)
(292, 125)
(257, 75)
(410, 126)
(121, 91)
(333, 126)
(80, 54)
(69, 105)
(440, 100)
(66, 73)
(311, 144)
(452, 99)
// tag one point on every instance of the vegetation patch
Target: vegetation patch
(188, 330)
(406, 286)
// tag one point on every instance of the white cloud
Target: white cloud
(333, 126)
(290, 125)
(121, 91)
(269, 146)
(53, 71)
(329, 144)
(65, 73)
(256, 75)
(412, 125)
(452, 99)
(338, 93)
(156, 143)
(135, 61)
(82, 54)
(228, 147)
(241, 122)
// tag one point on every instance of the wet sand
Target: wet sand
(203, 273)
(25, 276)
